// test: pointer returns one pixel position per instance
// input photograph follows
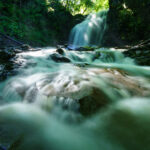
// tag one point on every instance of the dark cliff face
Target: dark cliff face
(128, 22)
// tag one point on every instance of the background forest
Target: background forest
(44, 22)
(48, 22)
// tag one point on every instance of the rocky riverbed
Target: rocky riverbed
(71, 86)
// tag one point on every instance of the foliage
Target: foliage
(77, 6)
(84, 6)
(31, 22)
(101, 4)
(44, 22)
(128, 21)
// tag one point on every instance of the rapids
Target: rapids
(97, 100)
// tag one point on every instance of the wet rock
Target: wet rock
(71, 47)
(138, 52)
(143, 61)
(92, 103)
(65, 45)
(25, 47)
(81, 64)
(58, 58)
(17, 50)
(2, 44)
(87, 48)
(97, 55)
(88, 92)
(60, 51)
(8, 70)
(81, 49)
(7, 62)
(141, 57)
(60, 46)
(5, 55)
(2, 148)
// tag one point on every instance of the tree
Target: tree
(101, 4)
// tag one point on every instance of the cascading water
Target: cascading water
(47, 94)
(76, 100)
(89, 32)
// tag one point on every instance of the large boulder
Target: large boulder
(90, 89)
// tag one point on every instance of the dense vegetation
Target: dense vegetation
(31, 20)
(40, 22)
(48, 22)
(128, 21)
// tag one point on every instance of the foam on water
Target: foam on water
(46, 95)
(97, 100)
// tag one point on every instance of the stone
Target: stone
(60, 51)
(90, 104)
(138, 52)
(58, 58)
(146, 52)
(25, 47)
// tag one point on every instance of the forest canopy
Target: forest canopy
(84, 6)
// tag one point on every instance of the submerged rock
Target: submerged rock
(59, 58)
(90, 88)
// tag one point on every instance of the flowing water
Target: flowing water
(99, 100)
(76, 100)
(89, 32)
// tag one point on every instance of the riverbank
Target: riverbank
(65, 89)
(9, 48)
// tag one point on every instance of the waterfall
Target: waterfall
(89, 32)
(75, 100)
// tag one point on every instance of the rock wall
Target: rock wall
(128, 22)
(6, 41)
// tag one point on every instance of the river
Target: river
(60, 99)
(75, 100)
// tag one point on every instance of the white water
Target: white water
(98, 101)
(89, 32)
(45, 99)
